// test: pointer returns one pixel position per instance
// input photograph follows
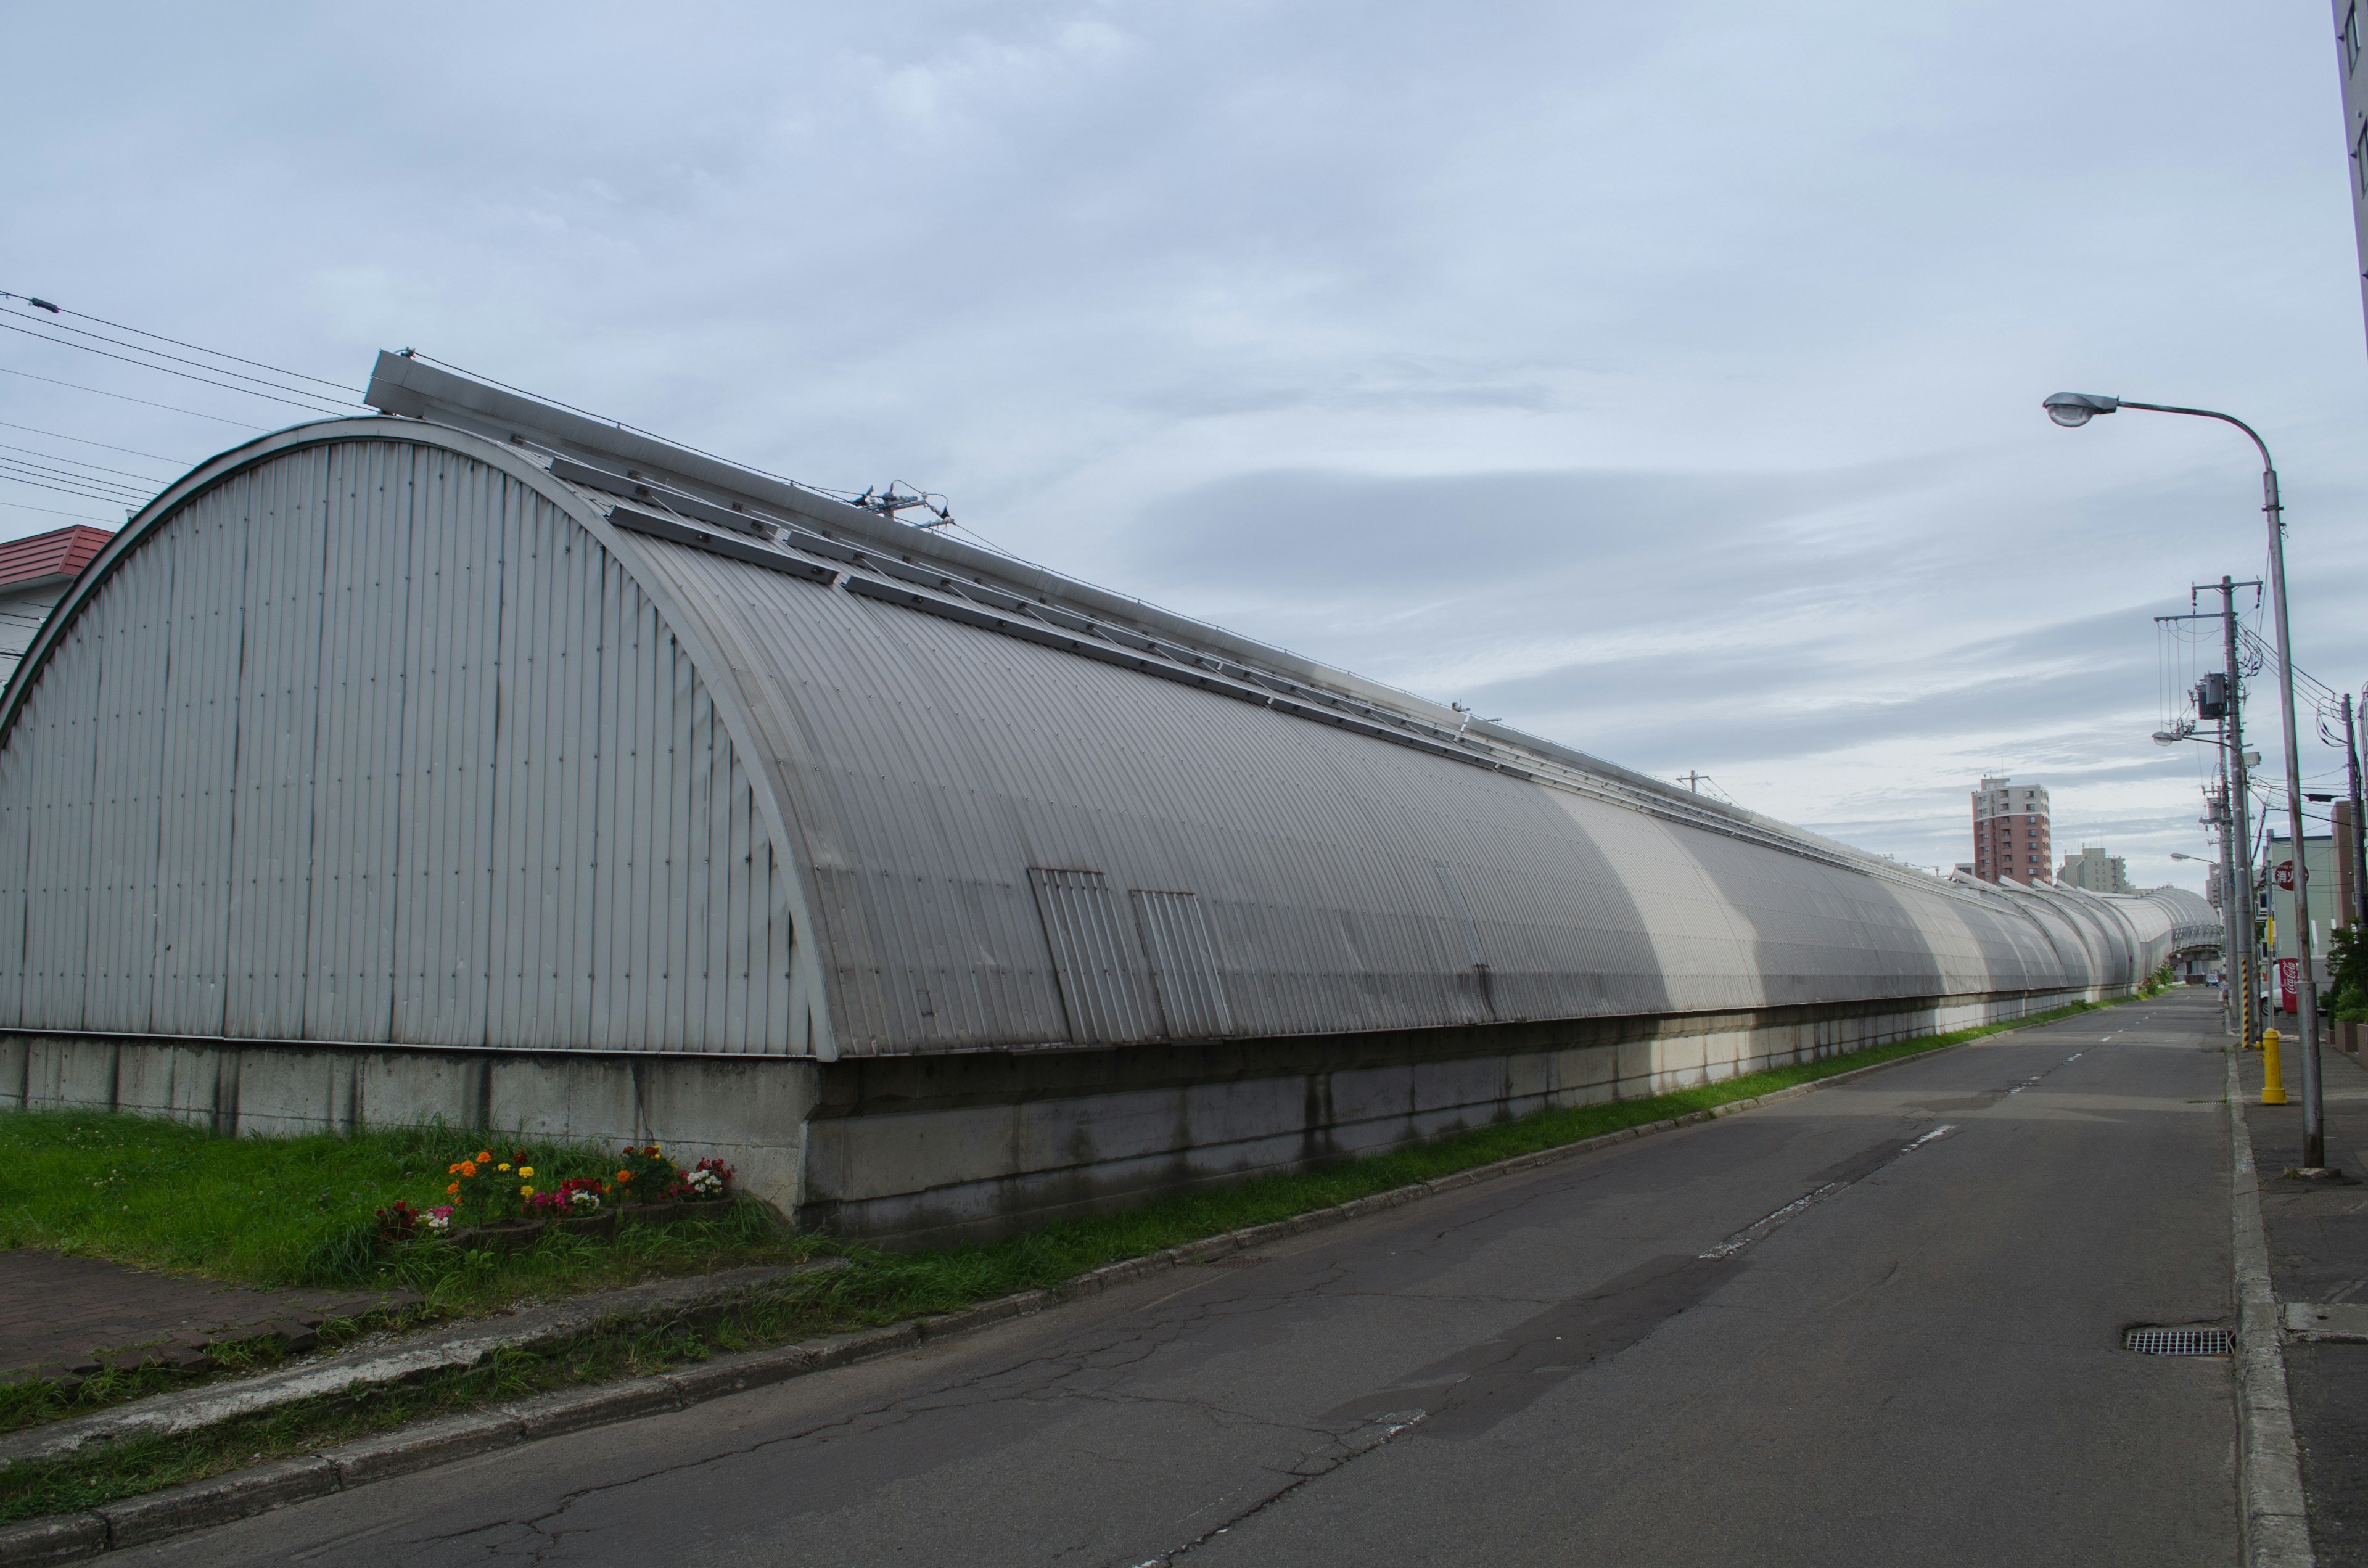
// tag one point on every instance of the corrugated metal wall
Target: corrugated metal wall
(979, 810)
(371, 742)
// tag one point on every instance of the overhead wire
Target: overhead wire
(126, 397)
(160, 354)
(52, 511)
(75, 462)
(63, 489)
(87, 441)
(67, 483)
(319, 405)
(7, 463)
(194, 348)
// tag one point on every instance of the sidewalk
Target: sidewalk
(2318, 1257)
(59, 1315)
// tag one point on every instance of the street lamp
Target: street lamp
(2073, 410)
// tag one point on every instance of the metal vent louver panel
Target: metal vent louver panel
(1101, 989)
(1183, 964)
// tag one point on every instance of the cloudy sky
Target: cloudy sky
(1662, 378)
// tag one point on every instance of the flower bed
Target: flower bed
(504, 1204)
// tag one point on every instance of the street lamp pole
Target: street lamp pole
(2075, 409)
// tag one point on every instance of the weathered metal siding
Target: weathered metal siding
(964, 796)
(371, 742)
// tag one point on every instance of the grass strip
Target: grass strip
(876, 1288)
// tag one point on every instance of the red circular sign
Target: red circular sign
(2285, 875)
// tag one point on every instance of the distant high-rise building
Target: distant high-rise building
(2011, 832)
(2095, 870)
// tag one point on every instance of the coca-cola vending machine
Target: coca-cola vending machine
(2290, 985)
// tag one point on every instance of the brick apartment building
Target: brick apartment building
(2011, 839)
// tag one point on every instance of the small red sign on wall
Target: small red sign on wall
(2290, 985)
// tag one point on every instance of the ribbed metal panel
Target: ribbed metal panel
(376, 741)
(113, 964)
(58, 795)
(1347, 883)
(366, 605)
(1101, 981)
(1183, 965)
(278, 730)
(201, 677)
(372, 741)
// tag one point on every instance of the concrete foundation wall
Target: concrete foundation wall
(965, 1147)
(749, 1111)
(972, 1145)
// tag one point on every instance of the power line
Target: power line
(52, 511)
(87, 441)
(198, 364)
(195, 348)
(70, 476)
(77, 463)
(85, 495)
(71, 483)
(316, 407)
(126, 397)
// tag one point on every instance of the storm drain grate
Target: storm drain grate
(2180, 1341)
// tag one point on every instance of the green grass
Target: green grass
(261, 1211)
(878, 1287)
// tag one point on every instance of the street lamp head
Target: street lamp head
(2164, 738)
(2073, 410)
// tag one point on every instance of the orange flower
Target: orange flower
(483, 1154)
(466, 1167)
(454, 1187)
(624, 1175)
(451, 1170)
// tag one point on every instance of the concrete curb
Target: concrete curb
(463, 1344)
(68, 1537)
(2273, 1523)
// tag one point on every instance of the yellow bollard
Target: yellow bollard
(2273, 1086)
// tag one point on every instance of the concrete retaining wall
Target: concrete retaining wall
(966, 1146)
(945, 1148)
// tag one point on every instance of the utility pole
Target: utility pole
(2359, 910)
(1694, 780)
(2240, 862)
(2237, 929)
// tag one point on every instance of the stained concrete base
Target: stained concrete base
(971, 1145)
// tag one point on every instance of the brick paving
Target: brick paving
(57, 1314)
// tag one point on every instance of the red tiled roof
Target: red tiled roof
(63, 552)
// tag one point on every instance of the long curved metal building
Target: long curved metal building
(484, 760)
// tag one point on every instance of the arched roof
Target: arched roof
(1009, 811)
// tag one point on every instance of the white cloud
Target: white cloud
(1666, 378)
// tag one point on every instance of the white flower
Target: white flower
(583, 1200)
(438, 1221)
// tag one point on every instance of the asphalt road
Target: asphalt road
(1624, 1359)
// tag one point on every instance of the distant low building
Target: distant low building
(2011, 832)
(2093, 870)
(34, 575)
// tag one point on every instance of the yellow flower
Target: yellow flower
(526, 1170)
(525, 1191)
(503, 1167)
